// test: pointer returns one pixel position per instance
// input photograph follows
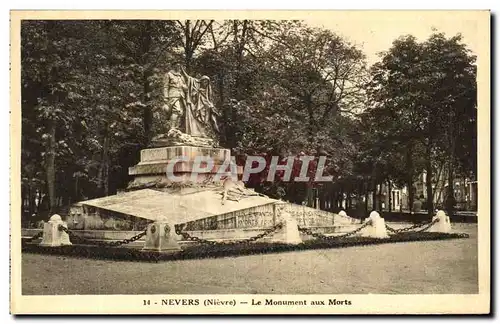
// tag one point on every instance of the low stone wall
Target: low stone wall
(415, 217)
(85, 217)
(266, 216)
(30, 232)
(219, 234)
(423, 217)
(256, 217)
(307, 216)
(239, 234)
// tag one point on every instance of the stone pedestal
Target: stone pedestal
(289, 232)
(161, 237)
(377, 227)
(181, 160)
(52, 236)
(443, 224)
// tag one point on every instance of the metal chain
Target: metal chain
(428, 226)
(101, 243)
(336, 237)
(406, 229)
(188, 237)
(275, 228)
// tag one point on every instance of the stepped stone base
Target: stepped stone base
(195, 204)
(152, 168)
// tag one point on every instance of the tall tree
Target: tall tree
(194, 33)
(424, 89)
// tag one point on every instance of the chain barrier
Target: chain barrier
(188, 237)
(335, 237)
(211, 249)
(35, 237)
(428, 226)
(407, 229)
(101, 243)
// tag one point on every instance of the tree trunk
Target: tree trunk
(428, 182)
(224, 110)
(450, 201)
(436, 191)
(341, 197)
(144, 59)
(31, 200)
(147, 112)
(374, 197)
(380, 201)
(309, 197)
(188, 48)
(25, 215)
(240, 48)
(366, 200)
(50, 166)
(389, 193)
(105, 166)
(409, 164)
(76, 188)
(450, 196)
(312, 129)
(321, 200)
(102, 176)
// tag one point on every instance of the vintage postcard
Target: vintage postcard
(250, 162)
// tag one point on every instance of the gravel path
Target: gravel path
(433, 267)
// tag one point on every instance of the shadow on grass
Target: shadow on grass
(226, 250)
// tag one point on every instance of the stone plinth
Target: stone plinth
(376, 229)
(168, 153)
(155, 162)
(52, 235)
(442, 225)
(161, 237)
(289, 231)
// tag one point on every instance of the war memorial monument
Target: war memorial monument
(186, 189)
(209, 202)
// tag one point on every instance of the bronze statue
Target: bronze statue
(188, 101)
(175, 91)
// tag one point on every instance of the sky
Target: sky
(374, 32)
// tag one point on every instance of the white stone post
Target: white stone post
(377, 227)
(161, 237)
(52, 235)
(289, 232)
(443, 224)
(344, 216)
(343, 213)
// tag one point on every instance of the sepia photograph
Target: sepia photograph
(252, 163)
